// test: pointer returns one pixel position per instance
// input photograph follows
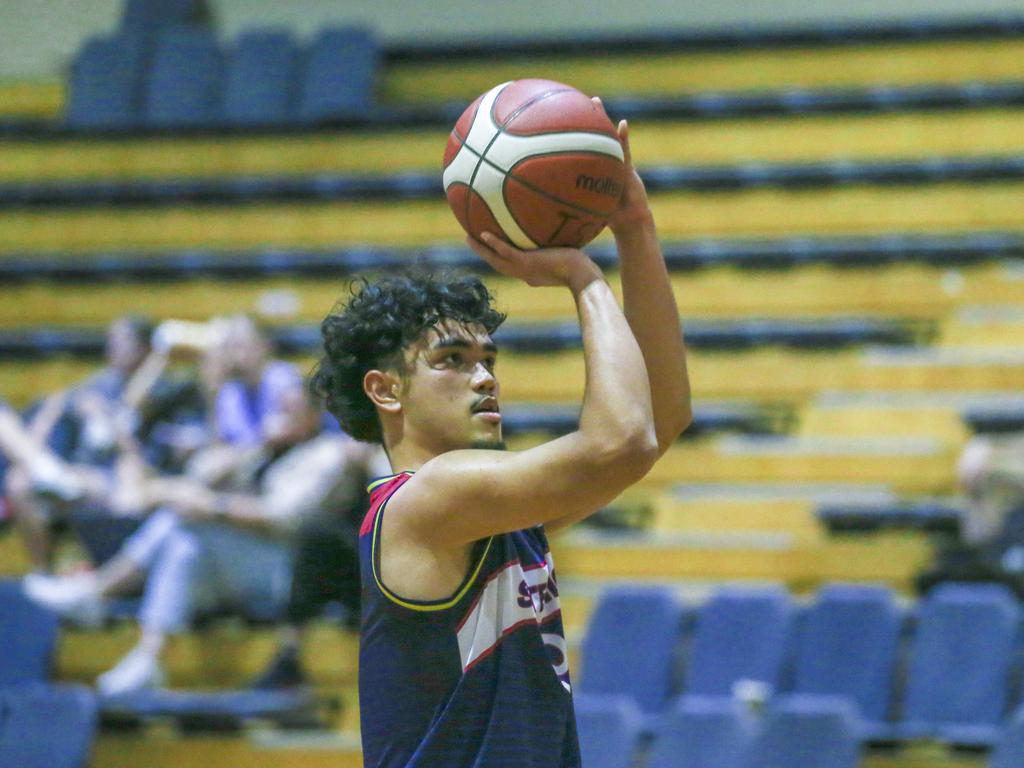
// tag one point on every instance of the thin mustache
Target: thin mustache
(488, 399)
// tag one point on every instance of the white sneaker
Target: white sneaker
(138, 670)
(52, 478)
(71, 597)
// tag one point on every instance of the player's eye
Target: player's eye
(490, 362)
(453, 358)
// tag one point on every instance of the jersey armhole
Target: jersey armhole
(420, 605)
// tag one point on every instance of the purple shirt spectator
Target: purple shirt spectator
(241, 409)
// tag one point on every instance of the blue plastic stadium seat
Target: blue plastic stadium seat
(741, 634)
(630, 645)
(338, 81)
(803, 731)
(148, 17)
(28, 636)
(44, 726)
(960, 664)
(609, 727)
(1009, 749)
(184, 86)
(847, 646)
(701, 732)
(105, 83)
(261, 79)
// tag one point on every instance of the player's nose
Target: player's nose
(484, 379)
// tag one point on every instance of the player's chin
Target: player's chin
(487, 435)
(489, 444)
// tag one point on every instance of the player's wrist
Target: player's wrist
(634, 223)
(582, 272)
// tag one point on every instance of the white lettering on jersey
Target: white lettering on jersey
(512, 598)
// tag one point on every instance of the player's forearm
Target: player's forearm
(617, 419)
(650, 308)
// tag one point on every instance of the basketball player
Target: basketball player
(462, 657)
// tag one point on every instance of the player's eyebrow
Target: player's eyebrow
(461, 342)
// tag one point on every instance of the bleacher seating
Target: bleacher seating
(105, 87)
(339, 76)
(259, 87)
(802, 731)
(996, 420)
(47, 727)
(1009, 750)
(848, 644)
(530, 338)
(146, 17)
(958, 680)
(609, 728)
(29, 637)
(41, 725)
(185, 82)
(176, 100)
(630, 646)
(740, 635)
(826, 228)
(703, 731)
(213, 710)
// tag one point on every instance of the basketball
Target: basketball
(535, 162)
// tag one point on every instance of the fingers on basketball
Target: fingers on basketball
(627, 155)
(496, 260)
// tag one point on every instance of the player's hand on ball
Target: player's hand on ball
(544, 266)
(634, 207)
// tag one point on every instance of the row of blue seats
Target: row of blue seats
(795, 731)
(182, 78)
(147, 17)
(47, 725)
(116, 117)
(41, 725)
(828, 33)
(854, 251)
(702, 106)
(818, 333)
(421, 185)
(150, 15)
(959, 648)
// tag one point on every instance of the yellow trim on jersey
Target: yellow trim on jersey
(424, 606)
(380, 481)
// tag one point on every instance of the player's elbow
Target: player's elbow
(683, 418)
(628, 456)
(672, 425)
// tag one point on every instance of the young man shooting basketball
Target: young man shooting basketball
(462, 656)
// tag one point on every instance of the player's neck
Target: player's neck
(408, 457)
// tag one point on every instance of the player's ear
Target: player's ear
(383, 389)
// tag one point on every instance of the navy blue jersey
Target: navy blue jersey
(480, 679)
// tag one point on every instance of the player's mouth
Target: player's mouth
(488, 410)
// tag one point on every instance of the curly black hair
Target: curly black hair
(378, 322)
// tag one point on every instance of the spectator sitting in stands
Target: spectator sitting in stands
(990, 547)
(326, 570)
(251, 395)
(42, 482)
(197, 553)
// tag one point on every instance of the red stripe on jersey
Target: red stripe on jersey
(378, 496)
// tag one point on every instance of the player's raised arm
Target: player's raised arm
(650, 305)
(463, 495)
